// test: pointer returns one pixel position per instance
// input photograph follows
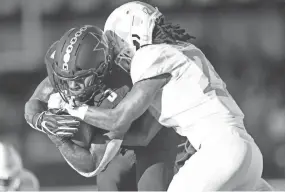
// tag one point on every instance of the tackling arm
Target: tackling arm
(137, 101)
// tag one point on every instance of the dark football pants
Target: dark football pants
(149, 168)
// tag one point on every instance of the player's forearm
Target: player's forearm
(118, 119)
(134, 104)
(38, 102)
(108, 119)
(103, 118)
(33, 109)
(77, 157)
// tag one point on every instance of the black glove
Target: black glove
(61, 125)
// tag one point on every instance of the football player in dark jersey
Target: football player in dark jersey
(80, 73)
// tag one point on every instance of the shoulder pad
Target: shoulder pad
(154, 60)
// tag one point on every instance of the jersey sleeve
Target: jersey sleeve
(154, 60)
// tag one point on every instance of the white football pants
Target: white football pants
(230, 161)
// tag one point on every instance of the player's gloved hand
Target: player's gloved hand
(56, 102)
(58, 125)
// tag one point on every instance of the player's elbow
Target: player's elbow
(26, 115)
(33, 107)
(29, 112)
(28, 107)
(87, 169)
(87, 172)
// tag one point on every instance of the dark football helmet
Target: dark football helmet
(82, 57)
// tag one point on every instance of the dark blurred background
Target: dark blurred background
(244, 40)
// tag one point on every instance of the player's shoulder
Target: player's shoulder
(155, 54)
(152, 60)
(161, 50)
(154, 51)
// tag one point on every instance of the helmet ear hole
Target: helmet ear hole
(136, 44)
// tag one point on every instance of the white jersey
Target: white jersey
(195, 101)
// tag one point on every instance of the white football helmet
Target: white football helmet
(13, 177)
(130, 27)
(10, 167)
(10, 161)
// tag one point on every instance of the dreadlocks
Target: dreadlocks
(169, 33)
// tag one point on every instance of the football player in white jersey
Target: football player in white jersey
(176, 81)
(13, 177)
(78, 68)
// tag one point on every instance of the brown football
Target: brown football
(84, 135)
(85, 132)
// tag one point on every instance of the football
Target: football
(85, 132)
(84, 135)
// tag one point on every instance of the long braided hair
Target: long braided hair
(169, 33)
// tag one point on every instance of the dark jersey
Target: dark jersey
(118, 84)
